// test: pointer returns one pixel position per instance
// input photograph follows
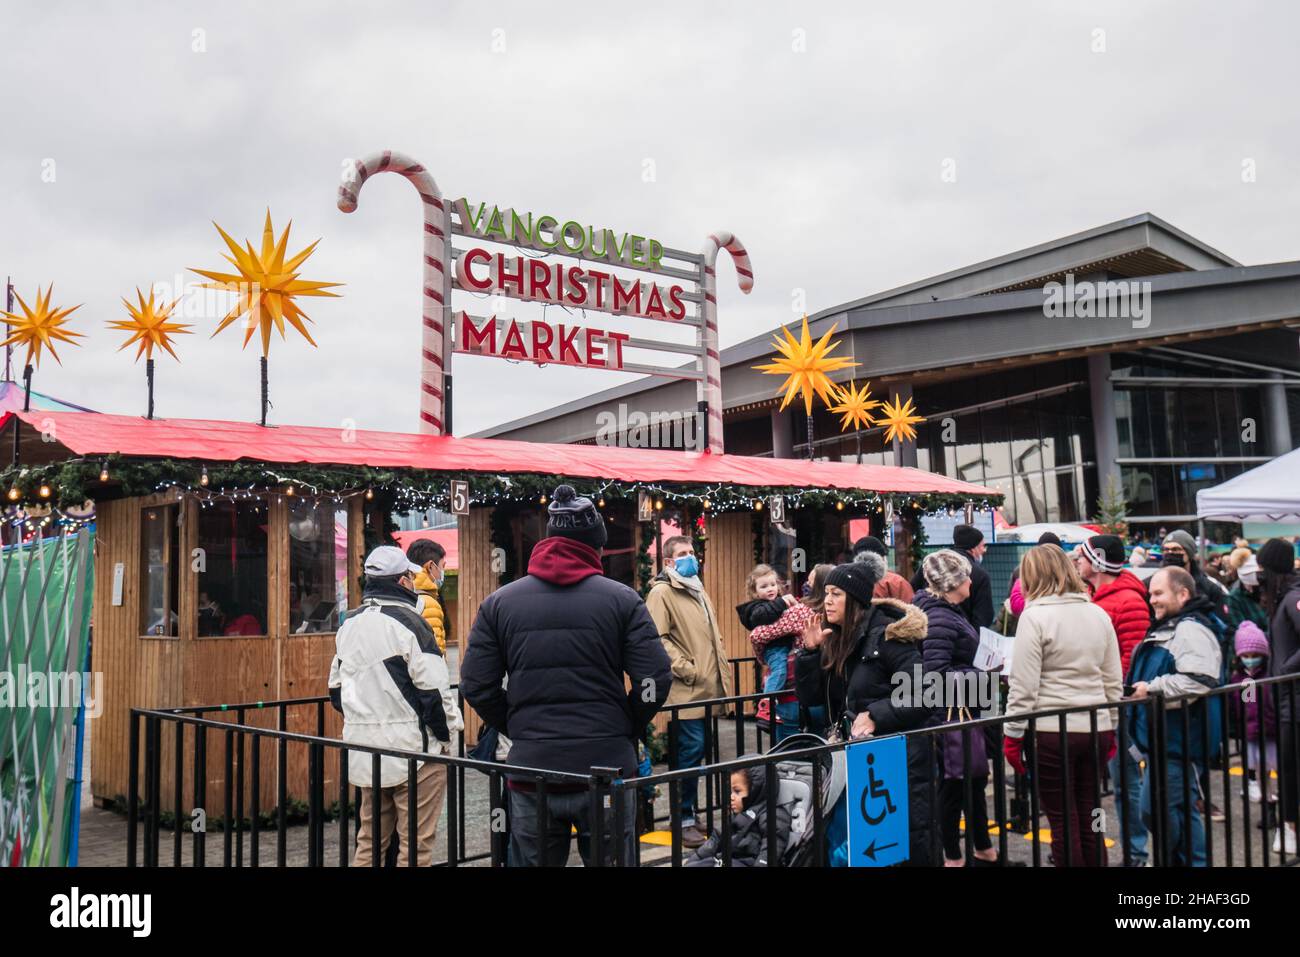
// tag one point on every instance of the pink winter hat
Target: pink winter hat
(1250, 640)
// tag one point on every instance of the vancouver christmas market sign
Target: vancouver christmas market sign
(681, 288)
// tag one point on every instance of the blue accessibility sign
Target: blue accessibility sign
(877, 802)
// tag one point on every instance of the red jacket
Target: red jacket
(1125, 601)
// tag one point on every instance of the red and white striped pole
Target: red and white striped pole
(709, 389)
(435, 380)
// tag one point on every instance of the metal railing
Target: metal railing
(1192, 744)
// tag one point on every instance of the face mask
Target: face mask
(687, 566)
(1251, 662)
(1172, 558)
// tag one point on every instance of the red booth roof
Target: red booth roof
(211, 440)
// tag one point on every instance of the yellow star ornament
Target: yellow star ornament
(40, 327)
(267, 284)
(148, 326)
(855, 406)
(806, 366)
(899, 419)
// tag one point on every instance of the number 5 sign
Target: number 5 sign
(459, 497)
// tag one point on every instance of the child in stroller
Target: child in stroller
(794, 808)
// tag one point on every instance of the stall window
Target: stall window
(318, 566)
(232, 586)
(159, 571)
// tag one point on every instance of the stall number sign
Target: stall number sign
(877, 802)
(459, 497)
(644, 507)
(776, 509)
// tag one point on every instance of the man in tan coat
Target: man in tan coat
(688, 627)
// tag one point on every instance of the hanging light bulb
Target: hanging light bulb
(370, 494)
(758, 505)
(289, 491)
(44, 491)
(706, 503)
(542, 500)
(839, 506)
(600, 503)
(203, 477)
(103, 472)
(659, 505)
(14, 494)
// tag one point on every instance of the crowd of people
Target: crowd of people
(567, 668)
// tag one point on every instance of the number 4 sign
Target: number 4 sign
(459, 497)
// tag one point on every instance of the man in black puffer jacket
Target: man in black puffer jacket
(564, 636)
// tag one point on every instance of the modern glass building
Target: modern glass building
(1182, 371)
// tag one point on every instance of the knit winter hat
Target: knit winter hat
(1106, 552)
(945, 570)
(966, 536)
(572, 516)
(1278, 556)
(869, 543)
(1250, 640)
(1049, 538)
(1183, 540)
(857, 579)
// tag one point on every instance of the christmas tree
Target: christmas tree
(1112, 509)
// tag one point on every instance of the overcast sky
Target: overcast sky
(820, 138)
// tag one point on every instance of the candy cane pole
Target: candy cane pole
(435, 382)
(709, 390)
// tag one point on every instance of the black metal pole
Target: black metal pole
(265, 399)
(811, 453)
(446, 405)
(148, 374)
(9, 307)
(27, 387)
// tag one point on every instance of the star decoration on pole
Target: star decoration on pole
(148, 326)
(854, 406)
(267, 284)
(806, 365)
(40, 327)
(899, 418)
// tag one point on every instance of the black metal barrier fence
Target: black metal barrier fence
(1189, 791)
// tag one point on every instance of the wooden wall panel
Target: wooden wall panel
(476, 580)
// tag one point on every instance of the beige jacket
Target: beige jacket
(688, 627)
(1065, 655)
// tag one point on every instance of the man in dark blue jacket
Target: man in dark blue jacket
(563, 637)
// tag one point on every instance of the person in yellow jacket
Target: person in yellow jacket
(432, 559)
(688, 628)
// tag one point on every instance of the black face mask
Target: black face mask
(1176, 559)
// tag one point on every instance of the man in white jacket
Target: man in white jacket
(391, 683)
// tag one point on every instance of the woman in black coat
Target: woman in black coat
(949, 652)
(849, 666)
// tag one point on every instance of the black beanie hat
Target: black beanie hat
(1049, 538)
(869, 543)
(572, 516)
(857, 579)
(1278, 556)
(966, 536)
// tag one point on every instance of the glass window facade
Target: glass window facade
(159, 571)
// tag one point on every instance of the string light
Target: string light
(203, 478)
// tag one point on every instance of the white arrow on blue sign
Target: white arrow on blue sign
(877, 802)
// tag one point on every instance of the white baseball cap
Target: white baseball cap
(389, 561)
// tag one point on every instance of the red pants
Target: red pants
(1082, 806)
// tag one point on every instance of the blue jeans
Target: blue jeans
(690, 754)
(1129, 804)
(1179, 816)
(775, 657)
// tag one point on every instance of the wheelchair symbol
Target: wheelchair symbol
(875, 789)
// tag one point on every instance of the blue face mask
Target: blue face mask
(687, 566)
(1251, 662)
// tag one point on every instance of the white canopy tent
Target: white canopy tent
(1270, 492)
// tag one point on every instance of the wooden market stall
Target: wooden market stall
(227, 552)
